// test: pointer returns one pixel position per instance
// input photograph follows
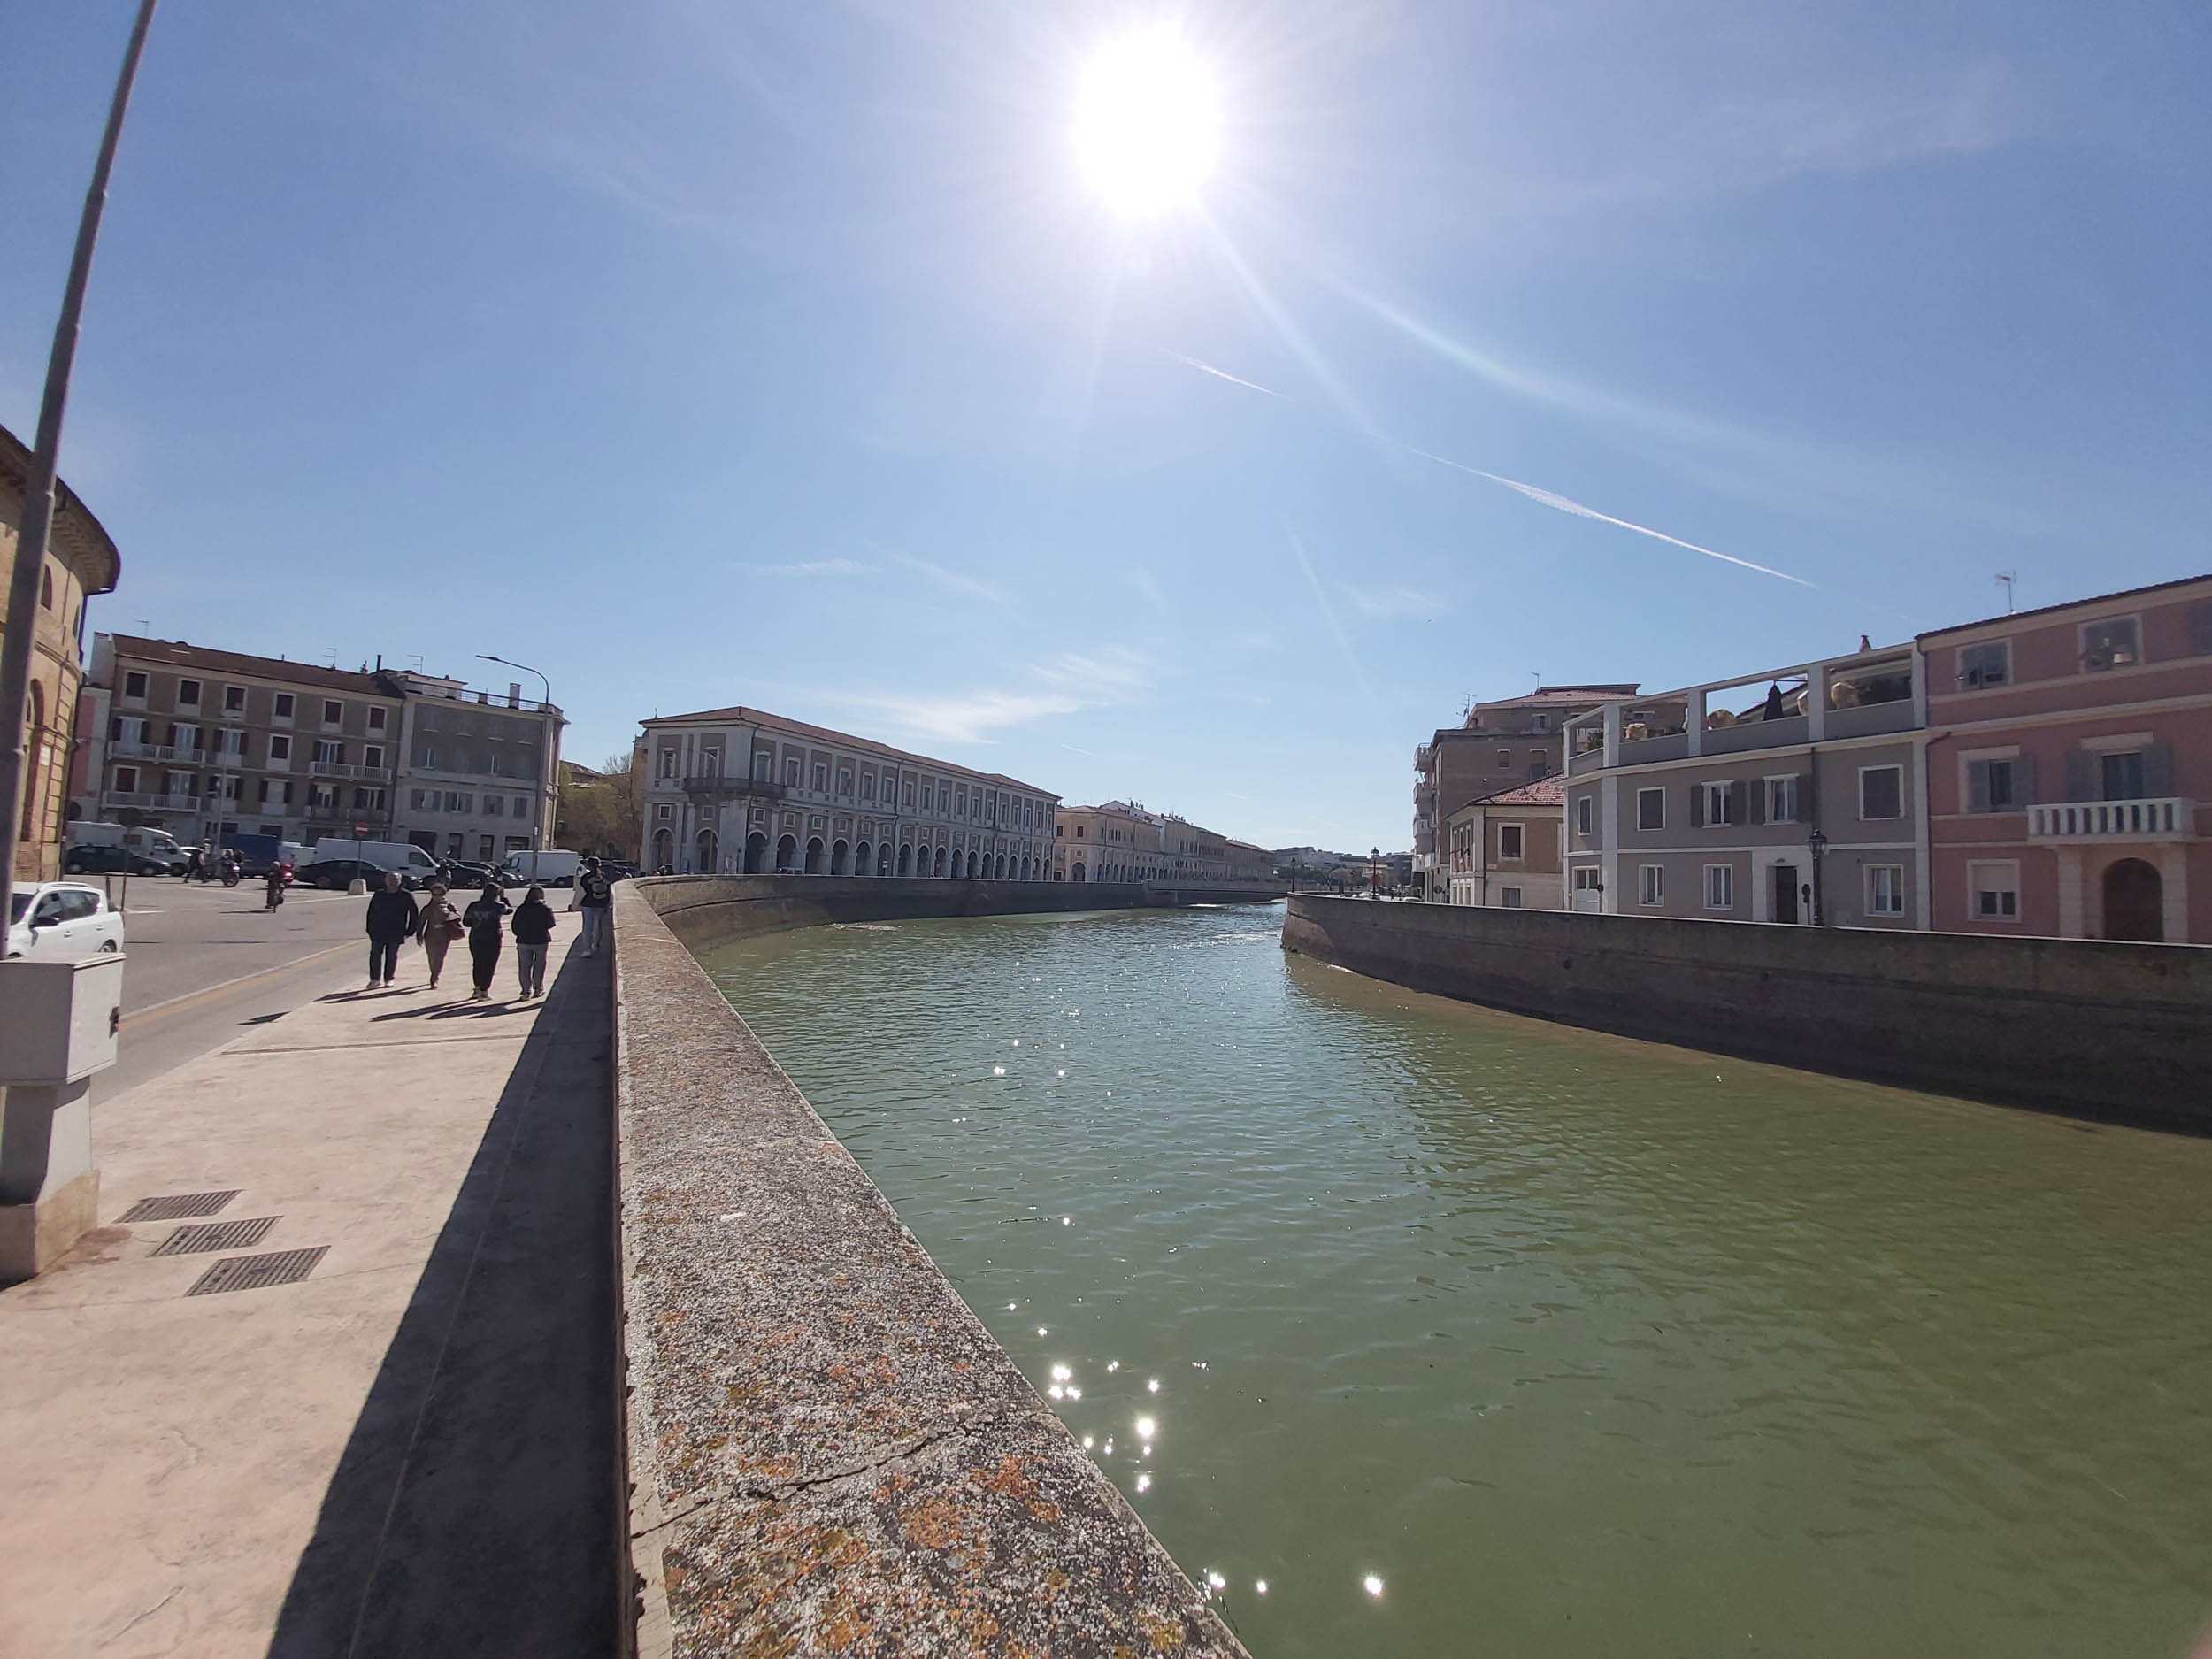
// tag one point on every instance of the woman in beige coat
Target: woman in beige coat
(440, 926)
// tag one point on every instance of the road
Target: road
(206, 964)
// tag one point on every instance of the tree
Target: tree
(604, 812)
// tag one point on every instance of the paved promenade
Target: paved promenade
(410, 1450)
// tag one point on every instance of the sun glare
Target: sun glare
(1148, 126)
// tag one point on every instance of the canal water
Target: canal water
(1462, 1334)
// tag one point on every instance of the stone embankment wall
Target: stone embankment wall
(709, 909)
(828, 1452)
(2110, 1031)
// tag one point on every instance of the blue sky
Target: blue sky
(704, 353)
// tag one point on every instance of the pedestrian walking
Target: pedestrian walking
(484, 919)
(392, 919)
(194, 859)
(440, 926)
(596, 895)
(533, 928)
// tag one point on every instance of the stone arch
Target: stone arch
(883, 859)
(788, 854)
(814, 855)
(1076, 873)
(37, 763)
(705, 849)
(864, 859)
(2134, 901)
(906, 858)
(664, 848)
(940, 861)
(840, 863)
(756, 853)
(1001, 866)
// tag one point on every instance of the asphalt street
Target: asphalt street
(203, 965)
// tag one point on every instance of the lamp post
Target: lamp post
(1818, 843)
(1374, 873)
(545, 706)
(38, 491)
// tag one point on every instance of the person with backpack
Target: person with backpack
(533, 928)
(484, 919)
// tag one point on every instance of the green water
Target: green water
(1575, 1346)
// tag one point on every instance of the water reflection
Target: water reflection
(1593, 1346)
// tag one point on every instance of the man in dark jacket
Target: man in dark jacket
(392, 920)
(597, 898)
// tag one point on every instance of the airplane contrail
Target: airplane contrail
(1224, 375)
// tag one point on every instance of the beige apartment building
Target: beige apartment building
(1508, 850)
(80, 561)
(739, 791)
(207, 743)
(1120, 841)
(1500, 745)
(1791, 796)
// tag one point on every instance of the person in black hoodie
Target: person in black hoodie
(392, 917)
(483, 920)
(533, 929)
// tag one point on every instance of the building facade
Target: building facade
(739, 791)
(480, 772)
(2069, 749)
(1794, 796)
(80, 561)
(1500, 745)
(1508, 850)
(1120, 841)
(207, 743)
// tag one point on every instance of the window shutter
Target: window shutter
(2023, 780)
(1759, 801)
(1804, 802)
(2201, 627)
(1977, 786)
(2158, 770)
(2081, 775)
(1697, 806)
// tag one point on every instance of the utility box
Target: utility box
(58, 1020)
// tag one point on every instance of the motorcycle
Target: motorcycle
(279, 878)
(227, 870)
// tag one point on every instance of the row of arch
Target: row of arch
(840, 857)
(1115, 872)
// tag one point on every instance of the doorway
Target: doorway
(2134, 902)
(1785, 907)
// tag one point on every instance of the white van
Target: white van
(116, 847)
(554, 867)
(418, 866)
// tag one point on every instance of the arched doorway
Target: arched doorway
(1076, 873)
(972, 865)
(787, 854)
(1001, 866)
(2134, 902)
(37, 757)
(864, 859)
(706, 851)
(840, 857)
(883, 859)
(906, 858)
(1025, 869)
(814, 855)
(940, 861)
(664, 848)
(756, 853)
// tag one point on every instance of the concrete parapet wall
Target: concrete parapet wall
(709, 909)
(827, 1451)
(2111, 1031)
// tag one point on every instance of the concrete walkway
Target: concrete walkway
(410, 1450)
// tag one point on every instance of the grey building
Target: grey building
(481, 770)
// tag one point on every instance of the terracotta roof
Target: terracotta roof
(738, 715)
(177, 654)
(1550, 791)
(78, 540)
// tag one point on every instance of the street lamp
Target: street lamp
(552, 772)
(1818, 843)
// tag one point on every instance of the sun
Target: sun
(1148, 124)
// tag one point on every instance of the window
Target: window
(1510, 898)
(867, 786)
(2121, 775)
(1993, 892)
(1720, 802)
(1781, 801)
(135, 686)
(1539, 764)
(522, 806)
(373, 756)
(1511, 838)
(1505, 759)
(279, 747)
(1651, 814)
(376, 719)
(1720, 886)
(791, 772)
(821, 778)
(1881, 792)
(497, 764)
(323, 797)
(844, 780)
(1651, 884)
(283, 710)
(233, 700)
(662, 812)
(329, 752)
(1886, 889)
(231, 742)
(1999, 786)
(414, 801)
(1541, 722)
(2201, 628)
(1588, 878)
(187, 694)
(906, 794)
(126, 779)
(1981, 666)
(1585, 813)
(333, 711)
(493, 804)
(2110, 644)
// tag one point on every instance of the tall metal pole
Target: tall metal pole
(545, 707)
(38, 498)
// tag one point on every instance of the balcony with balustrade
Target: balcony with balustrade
(2159, 818)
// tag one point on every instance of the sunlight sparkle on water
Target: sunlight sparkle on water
(1372, 1585)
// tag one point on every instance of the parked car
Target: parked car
(94, 860)
(469, 872)
(335, 875)
(60, 921)
(157, 850)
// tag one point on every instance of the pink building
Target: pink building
(2067, 751)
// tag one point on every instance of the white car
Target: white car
(60, 921)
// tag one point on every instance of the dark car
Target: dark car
(468, 872)
(335, 875)
(83, 860)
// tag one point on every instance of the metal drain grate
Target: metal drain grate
(216, 1235)
(177, 1209)
(257, 1272)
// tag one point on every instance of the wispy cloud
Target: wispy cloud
(1388, 602)
(1068, 684)
(1147, 584)
(1329, 615)
(806, 567)
(953, 581)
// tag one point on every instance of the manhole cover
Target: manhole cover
(257, 1272)
(178, 1207)
(216, 1235)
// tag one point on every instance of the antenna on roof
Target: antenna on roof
(2006, 580)
(334, 655)
(415, 658)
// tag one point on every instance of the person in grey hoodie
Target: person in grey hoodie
(533, 928)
